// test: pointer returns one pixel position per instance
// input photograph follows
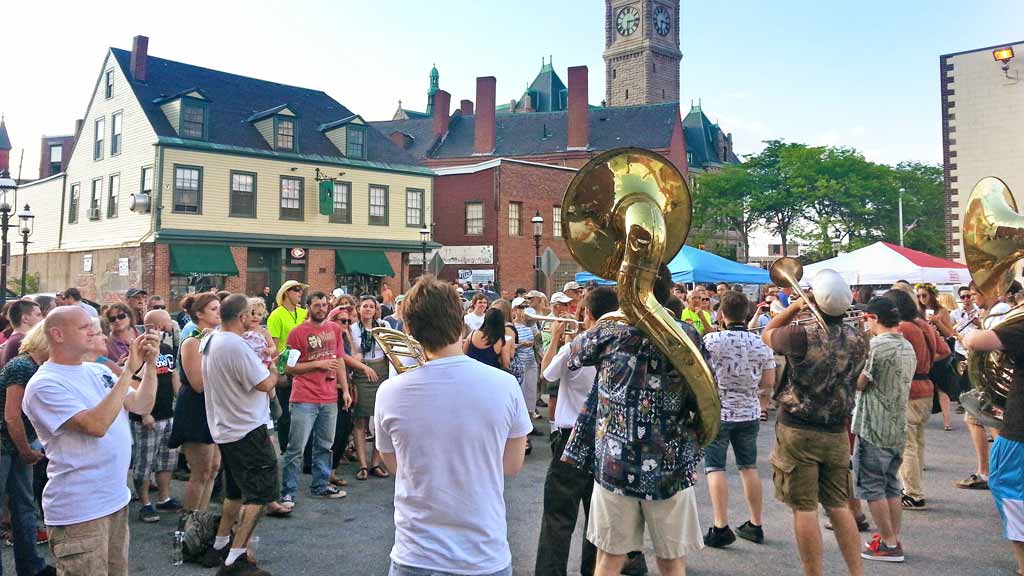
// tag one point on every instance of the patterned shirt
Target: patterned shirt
(879, 415)
(740, 357)
(525, 354)
(636, 431)
(17, 372)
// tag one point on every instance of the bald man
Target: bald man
(151, 432)
(80, 411)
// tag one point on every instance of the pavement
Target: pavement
(959, 534)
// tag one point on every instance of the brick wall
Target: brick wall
(399, 283)
(237, 283)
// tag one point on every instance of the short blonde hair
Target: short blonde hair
(259, 306)
(34, 341)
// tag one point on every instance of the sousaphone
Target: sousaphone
(624, 214)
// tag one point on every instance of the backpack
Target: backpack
(200, 529)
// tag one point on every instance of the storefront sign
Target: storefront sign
(87, 263)
(298, 255)
(457, 255)
(122, 267)
(476, 276)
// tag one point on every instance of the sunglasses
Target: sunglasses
(158, 307)
(705, 299)
(965, 296)
(295, 289)
(120, 316)
(346, 322)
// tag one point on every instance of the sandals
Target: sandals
(278, 511)
(764, 415)
(380, 471)
(362, 474)
(947, 428)
(338, 481)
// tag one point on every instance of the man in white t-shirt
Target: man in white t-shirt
(80, 411)
(474, 319)
(449, 459)
(237, 402)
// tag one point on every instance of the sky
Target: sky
(861, 74)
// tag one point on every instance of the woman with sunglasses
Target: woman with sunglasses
(344, 308)
(122, 332)
(370, 367)
(190, 430)
(942, 371)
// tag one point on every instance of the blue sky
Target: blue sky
(863, 74)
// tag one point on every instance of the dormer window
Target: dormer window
(355, 142)
(284, 133)
(193, 119)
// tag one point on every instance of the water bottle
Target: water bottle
(176, 550)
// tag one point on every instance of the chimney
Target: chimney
(483, 136)
(579, 127)
(140, 46)
(442, 102)
(466, 107)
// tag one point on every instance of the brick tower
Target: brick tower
(641, 52)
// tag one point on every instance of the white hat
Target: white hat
(338, 292)
(535, 294)
(560, 298)
(516, 303)
(831, 293)
(570, 286)
(459, 289)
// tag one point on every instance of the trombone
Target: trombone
(398, 346)
(572, 325)
(787, 271)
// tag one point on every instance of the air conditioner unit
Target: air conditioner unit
(139, 203)
(94, 214)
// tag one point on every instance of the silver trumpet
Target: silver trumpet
(572, 325)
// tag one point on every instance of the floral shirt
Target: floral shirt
(636, 429)
(740, 359)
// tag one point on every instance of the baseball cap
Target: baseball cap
(535, 294)
(884, 309)
(133, 292)
(831, 293)
(570, 286)
(459, 289)
(338, 292)
(560, 298)
(399, 298)
(516, 303)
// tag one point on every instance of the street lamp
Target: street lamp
(902, 190)
(7, 188)
(424, 236)
(538, 231)
(26, 220)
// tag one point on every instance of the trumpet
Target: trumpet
(572, 325)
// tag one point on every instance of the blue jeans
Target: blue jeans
(400, 570)
(16, 482)
(306, 419)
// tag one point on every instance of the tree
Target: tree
(780, 204)
(724, 200)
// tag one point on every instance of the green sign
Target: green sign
(326, 197)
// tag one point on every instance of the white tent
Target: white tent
(884, 263)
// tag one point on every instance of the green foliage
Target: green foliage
(828, 197)
(31, 283)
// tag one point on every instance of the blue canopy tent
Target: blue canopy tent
(693, 265)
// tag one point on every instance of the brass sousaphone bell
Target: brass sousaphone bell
(624, 214)
(993, 243)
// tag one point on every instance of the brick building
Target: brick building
(54, 154)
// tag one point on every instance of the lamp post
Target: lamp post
(902, 190)
(26, 220)
(424, 236)
(7, 188)
(538, 231)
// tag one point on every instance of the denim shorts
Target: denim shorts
(742, 436)
(400, 570)
(876, 471)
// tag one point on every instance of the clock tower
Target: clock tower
(641, 54)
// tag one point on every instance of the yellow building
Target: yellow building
(184, 178)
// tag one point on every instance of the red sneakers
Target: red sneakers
(877, 550)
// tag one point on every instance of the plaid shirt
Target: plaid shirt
(636, 431)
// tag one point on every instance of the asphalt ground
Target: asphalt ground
(959, 534)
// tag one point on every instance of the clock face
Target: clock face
(627, 21)
(662, 20)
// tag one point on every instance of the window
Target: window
(115, 134)
(474, 218)
(556, 220)
(378, 205)
(56, 157)
(354, 142)
(147, 180)
(113, 191)
(342, 203)
(73, 202)
(193, 120)
(97, 146)
(291, 198)
(284, 134)
(243, 195)
(108, 84)
(414, 207)
(94, 199)
(188, 189)
(515, 222)
(627, 94)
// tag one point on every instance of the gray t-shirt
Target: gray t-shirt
(234, 407)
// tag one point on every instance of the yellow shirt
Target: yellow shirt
(696, 319)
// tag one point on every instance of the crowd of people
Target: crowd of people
(242, 394)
